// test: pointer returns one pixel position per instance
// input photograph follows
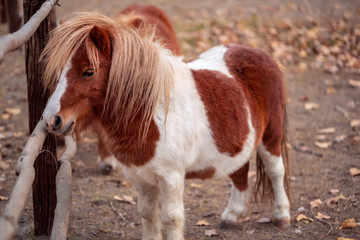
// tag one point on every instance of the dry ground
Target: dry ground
(314, 171)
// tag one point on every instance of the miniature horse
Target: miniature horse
(138, 15)
(166, 120)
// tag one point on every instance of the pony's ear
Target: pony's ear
(101, 39)
(137, 22)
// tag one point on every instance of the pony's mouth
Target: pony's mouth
(68, 129)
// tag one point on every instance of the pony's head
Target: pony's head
(99, 68)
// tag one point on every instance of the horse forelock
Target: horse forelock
(138, 75)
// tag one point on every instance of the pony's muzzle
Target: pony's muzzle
(57, 126)
(54, 123)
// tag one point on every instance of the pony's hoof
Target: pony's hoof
(282, 223)
(106, 169)
(228, 224)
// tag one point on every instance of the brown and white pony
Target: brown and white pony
(166, 120)
(138, 15)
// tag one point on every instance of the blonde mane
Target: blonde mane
(139, 72)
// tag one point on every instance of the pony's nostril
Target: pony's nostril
(57, 122)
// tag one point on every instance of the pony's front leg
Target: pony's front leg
(148, 207)
(171, 189)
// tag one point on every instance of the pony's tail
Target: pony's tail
(263, 189)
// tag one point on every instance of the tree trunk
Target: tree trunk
(12, 7)
(44, 191)
(53, 19)
(2, 11)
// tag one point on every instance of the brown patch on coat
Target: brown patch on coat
(202, 174)
(240, 177)
(264, 80)
(125, 144)
(260, 74)
(224, 102)
(137, 15)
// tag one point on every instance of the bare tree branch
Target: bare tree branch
(26, 171)
(12, 41)
(63, 192)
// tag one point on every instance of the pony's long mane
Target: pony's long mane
(138, 75)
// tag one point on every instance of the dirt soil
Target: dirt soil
(316, 100)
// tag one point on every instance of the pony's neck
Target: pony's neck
(126, 133)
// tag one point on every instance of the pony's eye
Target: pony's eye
(88, 73)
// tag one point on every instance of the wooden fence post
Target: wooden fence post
(13, 15)
(3, 17)
(46, 165)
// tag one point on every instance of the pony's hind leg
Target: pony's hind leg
(275, 170)
(238, 202)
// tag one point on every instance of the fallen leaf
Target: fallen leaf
(304, 99)
(125, 184)
(334, 191)
(250, 231)
(304, 218)
(264, 220)
(320, 216)
(327, 130)
(13, 111)
(4, 165)
(126, 199)
(320, 137)
(335, 199)
(355, 123)
(5, 116)
(80, 163)
(311, 106)
(195, 185)
(211, 232)
(354, 83)
(349, 223)
(340, 138)
(342, 238)
(301, 210)
(323, 145)
(2, 198)
(202, 223)
(18, 134)
(342, 111)
(330, 90)
(2, 178)
(241, 220)
(302, 66)
(354, 171)
(316, 203)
